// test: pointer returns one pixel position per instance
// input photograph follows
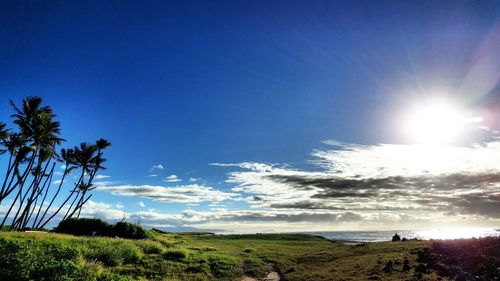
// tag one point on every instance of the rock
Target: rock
(396, 237)
(388, 267)
(404, 239)
(441, 269)
(421, 268)
(406, 264)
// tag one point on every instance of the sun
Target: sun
(438, 122)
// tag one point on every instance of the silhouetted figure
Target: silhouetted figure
(396, 237)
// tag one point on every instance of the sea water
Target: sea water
(378, 236)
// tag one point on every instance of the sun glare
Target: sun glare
(454, 233)
(435, 123)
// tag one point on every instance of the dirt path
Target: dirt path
(271, 276)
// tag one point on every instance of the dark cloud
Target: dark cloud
(470, 194)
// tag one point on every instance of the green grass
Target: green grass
(203, 257)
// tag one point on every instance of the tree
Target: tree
(31, 165)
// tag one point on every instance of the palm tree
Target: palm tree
(4, 133)
(32, 161)
(37, 126)
(45, 139)
(91, 161)
(68, 157)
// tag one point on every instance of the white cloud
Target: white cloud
(141, 204)
(179, 194)
(100, 177)
(171, 178)
(119, 205)
(398, 179)
(383, 160)
(156, 168)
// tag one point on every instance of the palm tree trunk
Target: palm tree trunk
(21, 178)
(45, 195)
(65, 201)
(35, 193)
(53, 198)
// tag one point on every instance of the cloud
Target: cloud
(171, 178)
(179, 194)
(141, 204)
(100, 177)
(156, 168)
(399, 179)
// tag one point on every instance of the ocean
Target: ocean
(378, 236)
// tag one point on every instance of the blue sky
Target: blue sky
(185, 84)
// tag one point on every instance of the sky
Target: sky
(266, 116)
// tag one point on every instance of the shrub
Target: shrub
(198, 268)
(98, 227)
(254, 267)
(128, 230)
(83, 227)
(175, 255)
(113, 254)
(223, 266)
(92, 271)
(150, 247)
(28, 259)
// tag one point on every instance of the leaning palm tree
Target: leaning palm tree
(32, 159)
(91, 161)
(67, 156)
(44, 135)
(4, 133)
(37, 126)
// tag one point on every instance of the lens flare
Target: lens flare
(435, 123)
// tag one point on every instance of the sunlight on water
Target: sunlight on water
(455, 233)
(378, 236)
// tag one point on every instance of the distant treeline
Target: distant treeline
(32, 178)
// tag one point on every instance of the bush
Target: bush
(83, 227)
(128, 230)
(29, 259)
(95, 272)
(98, 227)
(113, 254)
(175, 255)
(254, 267)
(223, 266)
(150, 247)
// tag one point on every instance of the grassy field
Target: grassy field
(204, 256)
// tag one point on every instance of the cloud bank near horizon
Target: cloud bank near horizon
(382, 185)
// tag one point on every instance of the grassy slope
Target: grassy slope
(206, 257)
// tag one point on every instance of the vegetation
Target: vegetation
(31, 157)
(98, 227)
(203, 257)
